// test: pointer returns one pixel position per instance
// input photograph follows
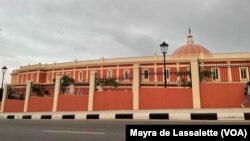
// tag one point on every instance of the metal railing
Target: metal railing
(118, 83)
(174, 79)
(224, 72)
(17, 93)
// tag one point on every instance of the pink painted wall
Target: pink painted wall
(40, 104)
(113, 100)
(165, 98)
(226, 95)
(12, 105)
(72, 103)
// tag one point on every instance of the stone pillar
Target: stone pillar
(229, 71)
(155, 74)
(27, 96)
(195, 83)
(87, 74)
(136, 86)
(4, 97)
(178, 70)
(74, 73)
(91, 90)
(101, 74)
(117, 73)
(38, 76)
(56, 93)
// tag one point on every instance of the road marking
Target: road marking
(73, 132)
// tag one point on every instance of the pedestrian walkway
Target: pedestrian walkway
(160, 114)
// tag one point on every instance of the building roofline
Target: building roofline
(133, 60)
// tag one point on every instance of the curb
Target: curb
(130, 116)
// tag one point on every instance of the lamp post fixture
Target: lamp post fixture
(164, 49)
(4, 69)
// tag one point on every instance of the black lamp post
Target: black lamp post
(164, 49)
(4, 69)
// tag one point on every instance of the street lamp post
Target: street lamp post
(4, 69)
(164, 49)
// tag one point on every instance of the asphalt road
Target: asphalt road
(78, 130)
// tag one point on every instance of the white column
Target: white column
(87, 74)
(56, 93)
(117, 73)
(52, 77)
(26, 77)
(136, 86)
(101, 72)
(18, 77)
(178, 70)
(38, 76)
(155, 74)
(27, 96)
(229, 72)
(4, 97)
(91, 91)
(74, 73)
(195, 83)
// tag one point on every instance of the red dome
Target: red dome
(190, 49)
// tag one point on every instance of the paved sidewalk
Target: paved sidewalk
(158, 114)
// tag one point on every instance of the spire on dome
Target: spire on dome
(189, 37)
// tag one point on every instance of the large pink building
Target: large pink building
(196, 78)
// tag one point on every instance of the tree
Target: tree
(36, 89)
(111, 82)
(205, 74)
(106, 82)
(184, 81)
(65, 82)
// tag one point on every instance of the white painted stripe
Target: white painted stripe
(73, 132)
(141, 116)
(230, 116)
(107, 116)
(179, 116)
(36, 117)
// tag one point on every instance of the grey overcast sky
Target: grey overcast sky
(49, 31)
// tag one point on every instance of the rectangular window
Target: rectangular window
(80, 76)
(167, 73)
(126, 74)
(32, 77)
(146, 74)
(215, 74)
(23, 78)
(243, 73)
(109, 74)
(68, 74)
(49, 77)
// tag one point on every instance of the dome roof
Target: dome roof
(190, 49)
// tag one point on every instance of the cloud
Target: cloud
(50, 31)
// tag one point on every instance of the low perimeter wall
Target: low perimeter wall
(228, 95)
(12, 105)
(72, 103)
(40, 104)
(165, 98)
(113, 100)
